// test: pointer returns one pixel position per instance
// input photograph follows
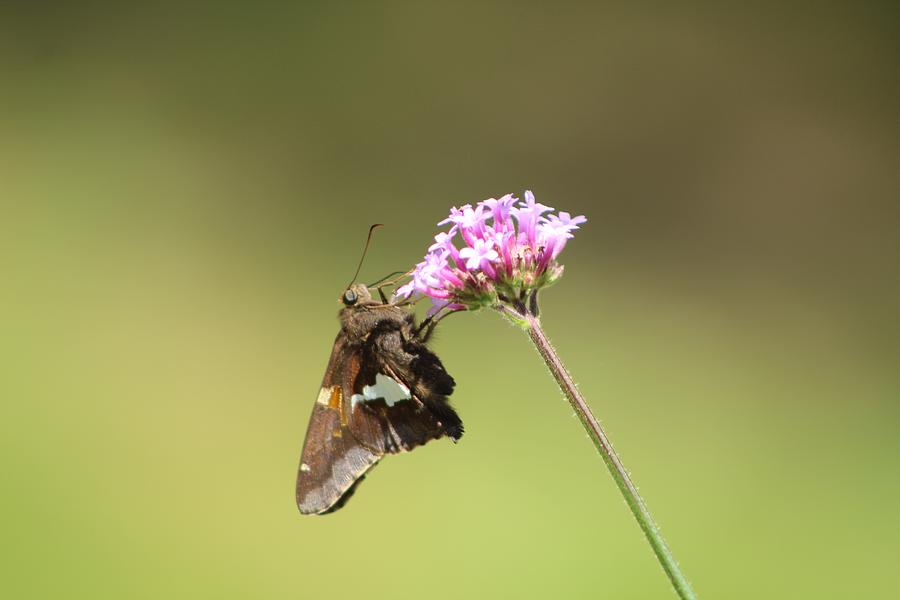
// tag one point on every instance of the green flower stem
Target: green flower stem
(529, 321)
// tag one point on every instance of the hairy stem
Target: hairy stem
(531, 323)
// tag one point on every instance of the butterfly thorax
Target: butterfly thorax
(366, 316)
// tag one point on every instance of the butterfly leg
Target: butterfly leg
(426, 329)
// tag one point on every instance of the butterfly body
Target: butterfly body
(384, 392)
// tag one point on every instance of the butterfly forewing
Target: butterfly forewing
(333, 459)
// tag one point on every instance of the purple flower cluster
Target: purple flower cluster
(507, 247)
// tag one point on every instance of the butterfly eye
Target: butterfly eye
(349, 298)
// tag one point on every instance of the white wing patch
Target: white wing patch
(385, 387)
(324, 396)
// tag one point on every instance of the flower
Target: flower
(479, 255)
(554, 232)
(501, 210)
(508, 249)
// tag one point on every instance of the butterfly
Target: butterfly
(384, 392)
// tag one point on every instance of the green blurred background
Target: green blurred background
(185, 192)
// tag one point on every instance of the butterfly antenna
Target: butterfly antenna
(386, 277)
(366, 249)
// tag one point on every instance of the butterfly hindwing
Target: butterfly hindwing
(400, 397)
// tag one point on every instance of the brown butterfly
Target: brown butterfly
(383, 392)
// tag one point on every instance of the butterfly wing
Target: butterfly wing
(333, 460)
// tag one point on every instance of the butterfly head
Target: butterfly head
(357, 293)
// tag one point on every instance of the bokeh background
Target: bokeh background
(186, 189)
